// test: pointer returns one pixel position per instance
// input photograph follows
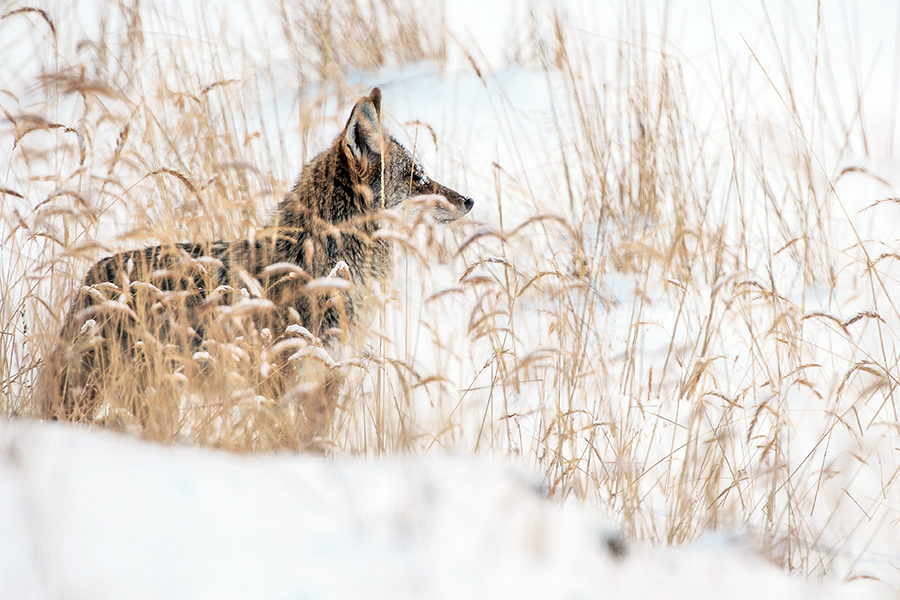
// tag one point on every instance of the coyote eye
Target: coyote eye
(420, 178)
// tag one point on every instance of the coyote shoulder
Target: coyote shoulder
(300, 280)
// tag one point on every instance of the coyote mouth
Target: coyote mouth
(444, 208)
(448, 211)
(443, 215)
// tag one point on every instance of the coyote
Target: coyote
(298, 286)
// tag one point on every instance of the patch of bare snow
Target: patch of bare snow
(94, 515)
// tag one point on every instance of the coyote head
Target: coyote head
(385, 173)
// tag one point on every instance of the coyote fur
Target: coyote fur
(301, 282)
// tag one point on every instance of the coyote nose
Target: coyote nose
(468, 203)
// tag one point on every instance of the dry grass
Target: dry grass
(667, 328)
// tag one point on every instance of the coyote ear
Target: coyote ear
(375, 97)
(363, 133)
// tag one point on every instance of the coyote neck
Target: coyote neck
(331, 215)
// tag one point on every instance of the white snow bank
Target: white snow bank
(88, 514)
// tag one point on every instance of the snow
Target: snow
(94, 515)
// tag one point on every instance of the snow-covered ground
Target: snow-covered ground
(92, 515)
(87, 514)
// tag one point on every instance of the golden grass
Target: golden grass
(648, 334)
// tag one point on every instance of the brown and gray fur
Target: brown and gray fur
(180, 292)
